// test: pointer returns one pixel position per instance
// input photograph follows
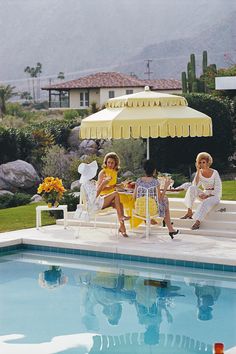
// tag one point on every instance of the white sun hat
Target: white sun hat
(87, 171)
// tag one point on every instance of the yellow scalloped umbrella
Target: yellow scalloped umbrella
(146, 114)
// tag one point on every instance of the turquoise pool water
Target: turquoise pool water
(78, 304)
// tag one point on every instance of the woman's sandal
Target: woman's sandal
(187, 216)
(125, 218)
(173, 233)
(123, 233)
(196, 225)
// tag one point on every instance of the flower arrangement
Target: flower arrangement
(52, 190)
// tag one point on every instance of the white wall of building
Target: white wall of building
(104, 92)
(225, 83)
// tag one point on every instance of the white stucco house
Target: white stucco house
(225, 83)
(98, 88)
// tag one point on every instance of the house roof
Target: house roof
(164, 84)
(99, 80)
(114, 79)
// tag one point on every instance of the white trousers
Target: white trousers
(206, 204)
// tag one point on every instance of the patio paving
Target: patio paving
(187, 247)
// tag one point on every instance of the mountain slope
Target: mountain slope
(170, 58)
(90, 35)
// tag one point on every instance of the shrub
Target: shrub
(14, 200)
(15, 144)
(70, 200)
(77, 161)
(71, 114)
(131, 153)
(179, 179)
(179, 154)
(58, 129)
(56, 163)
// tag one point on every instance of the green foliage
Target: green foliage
(184, 82)
(94, 107)
(178, 154)
(131, 153)
(179, 179)
(205, 82)
(71, 200)
(40, 105)
(6, 92)
(231, 71)
(56, 163)
(71, 114)
(15, 144)
(13, 200)
(58, 129)
(10, 121)
(204, 61)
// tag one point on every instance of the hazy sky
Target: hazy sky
(79, 35)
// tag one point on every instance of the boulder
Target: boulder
(128, 174)
(18, 175)
(36, 198)
(3, 192)
(73, 139)
(88, 147)
(75, 185)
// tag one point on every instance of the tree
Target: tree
(34, 72)
(25, 95)
(6, 92)
(177, 154)
(61, 75)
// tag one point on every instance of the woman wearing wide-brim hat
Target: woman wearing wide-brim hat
(94, 199)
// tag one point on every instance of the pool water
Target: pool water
(78, 304)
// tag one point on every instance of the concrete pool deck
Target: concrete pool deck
(185, 247)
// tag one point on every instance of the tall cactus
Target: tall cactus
(184, 82)
(193, 66)
(204, 61)
(191, 83)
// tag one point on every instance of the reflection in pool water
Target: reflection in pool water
(114, 307)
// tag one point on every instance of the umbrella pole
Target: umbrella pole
(148, 150)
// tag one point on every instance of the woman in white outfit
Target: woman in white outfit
(209, 195)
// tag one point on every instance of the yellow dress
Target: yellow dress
(113, 174)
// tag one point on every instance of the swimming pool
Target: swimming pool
(55, 303)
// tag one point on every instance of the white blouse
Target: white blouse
(212, 185)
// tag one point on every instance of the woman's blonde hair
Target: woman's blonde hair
(204, 156)
(113, 156)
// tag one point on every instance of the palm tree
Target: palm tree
(61, 75)
(6, 92)
(34, 72)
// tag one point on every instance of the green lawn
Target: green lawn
(228, 191)
(24, 217)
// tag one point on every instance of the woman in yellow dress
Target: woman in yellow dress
(110, 168)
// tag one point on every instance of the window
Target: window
(84, 99)
(129, 92)
(111, 94)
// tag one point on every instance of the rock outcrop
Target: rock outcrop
(18, 176)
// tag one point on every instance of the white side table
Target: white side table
(41, 208)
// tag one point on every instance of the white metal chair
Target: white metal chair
(146, 207)
(84, 213)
